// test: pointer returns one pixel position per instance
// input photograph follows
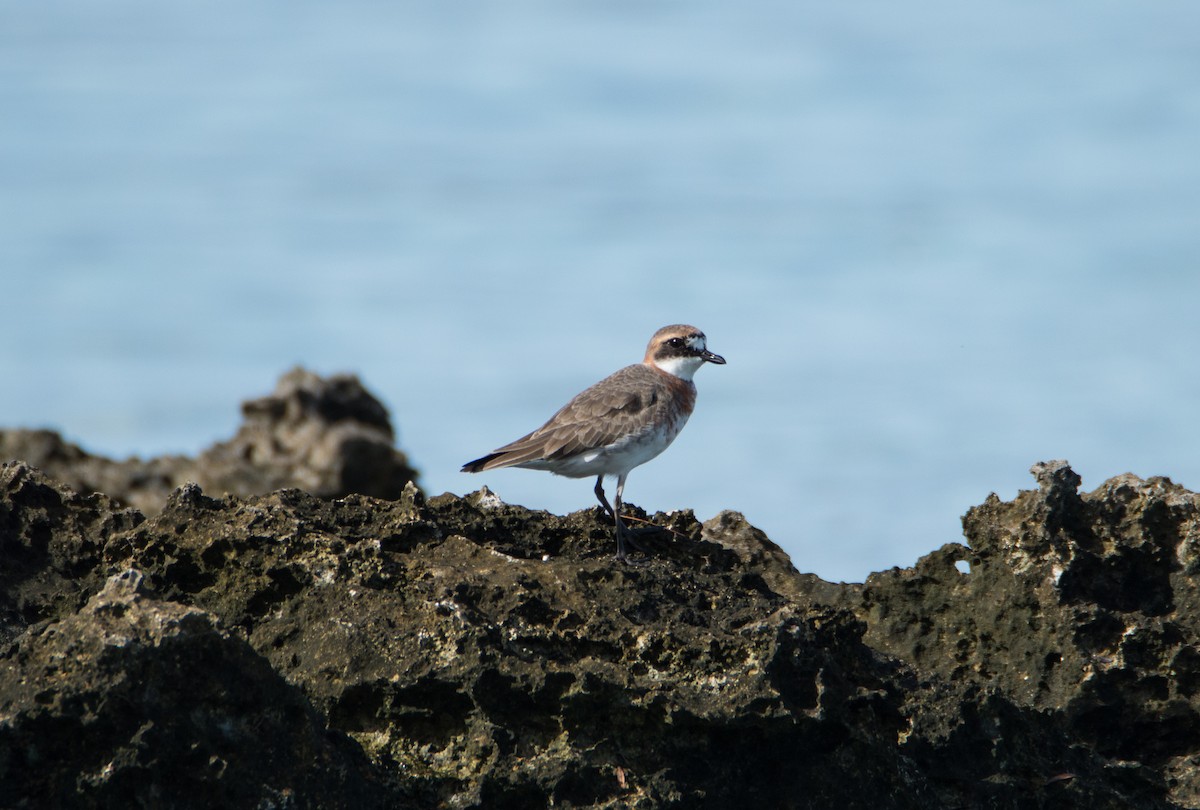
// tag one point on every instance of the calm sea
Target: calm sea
(936, 243)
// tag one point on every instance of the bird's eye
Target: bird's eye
(675, 343)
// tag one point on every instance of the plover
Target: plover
(622, 421)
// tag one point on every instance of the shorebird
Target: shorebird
(622, 421)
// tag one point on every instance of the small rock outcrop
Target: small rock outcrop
(326, 435)
(1082, 607)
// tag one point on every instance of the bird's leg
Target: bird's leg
(622, 531)
(600, 495)
(624, 535)
(617, 520)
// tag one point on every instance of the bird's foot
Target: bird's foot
(622, 557)
(625, 540)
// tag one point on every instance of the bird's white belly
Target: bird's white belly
(617, 458)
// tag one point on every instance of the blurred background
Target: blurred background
(935, 244)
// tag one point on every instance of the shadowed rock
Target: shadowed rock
(134, 702)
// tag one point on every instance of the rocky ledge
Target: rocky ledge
(291, 650)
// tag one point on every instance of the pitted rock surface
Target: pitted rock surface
(290, 650)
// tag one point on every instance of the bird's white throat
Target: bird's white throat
(681, 367)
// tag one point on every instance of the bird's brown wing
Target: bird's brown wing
(621, 404)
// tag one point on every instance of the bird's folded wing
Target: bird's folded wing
(614, 408)
(593, 423)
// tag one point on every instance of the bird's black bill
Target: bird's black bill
(713, 358)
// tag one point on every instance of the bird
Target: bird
(617, 424)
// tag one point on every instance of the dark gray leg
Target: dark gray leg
(622, 532)
(600, 495)
(614, 512)
(617, 520)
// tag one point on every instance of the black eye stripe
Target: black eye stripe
(682, 342)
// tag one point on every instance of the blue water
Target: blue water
(936, 244)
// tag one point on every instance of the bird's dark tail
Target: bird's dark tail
(480, 464)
